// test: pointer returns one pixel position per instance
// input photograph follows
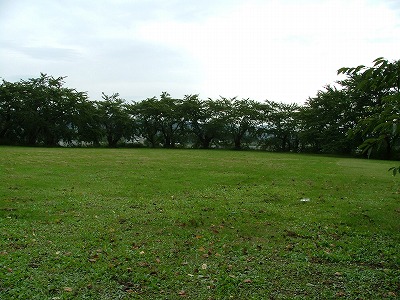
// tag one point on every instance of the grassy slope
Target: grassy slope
(171, 224)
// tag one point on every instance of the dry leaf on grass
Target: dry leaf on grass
(182, 293)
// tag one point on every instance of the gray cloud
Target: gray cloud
(49, 53)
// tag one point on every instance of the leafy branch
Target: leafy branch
(395, 170)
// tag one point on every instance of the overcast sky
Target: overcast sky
(280, 50)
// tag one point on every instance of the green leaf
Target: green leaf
(378, 61)
(342, 70)
(395, 170)
(369, 152)
(356, 70)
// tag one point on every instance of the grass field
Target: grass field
(176, 224)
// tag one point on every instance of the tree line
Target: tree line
(356, 115)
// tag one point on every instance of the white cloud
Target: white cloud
(277, 50)
(281, 50)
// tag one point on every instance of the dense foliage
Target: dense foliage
(359, 114)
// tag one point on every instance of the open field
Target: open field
(193, 224)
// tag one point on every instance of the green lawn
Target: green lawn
(176, 224)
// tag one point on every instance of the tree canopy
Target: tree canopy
(358, 115)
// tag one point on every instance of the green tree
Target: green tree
(48, 110)
(145, 115)
(242, 119)
(171, 120)
(10, 109)
(375, 92)
(282, 128)
(40, 111)
(114, 119)
(34, 115)
(160, 120)
(325, 121)
(88, 123)
(204, 120)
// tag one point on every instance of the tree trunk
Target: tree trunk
(32, 139)
(206, 142)
(388, 153)
(112, 142)
(238, 142)
(283, 148)
(167, 142)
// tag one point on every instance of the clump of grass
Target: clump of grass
(172, 224)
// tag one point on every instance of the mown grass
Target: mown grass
(173, 224)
